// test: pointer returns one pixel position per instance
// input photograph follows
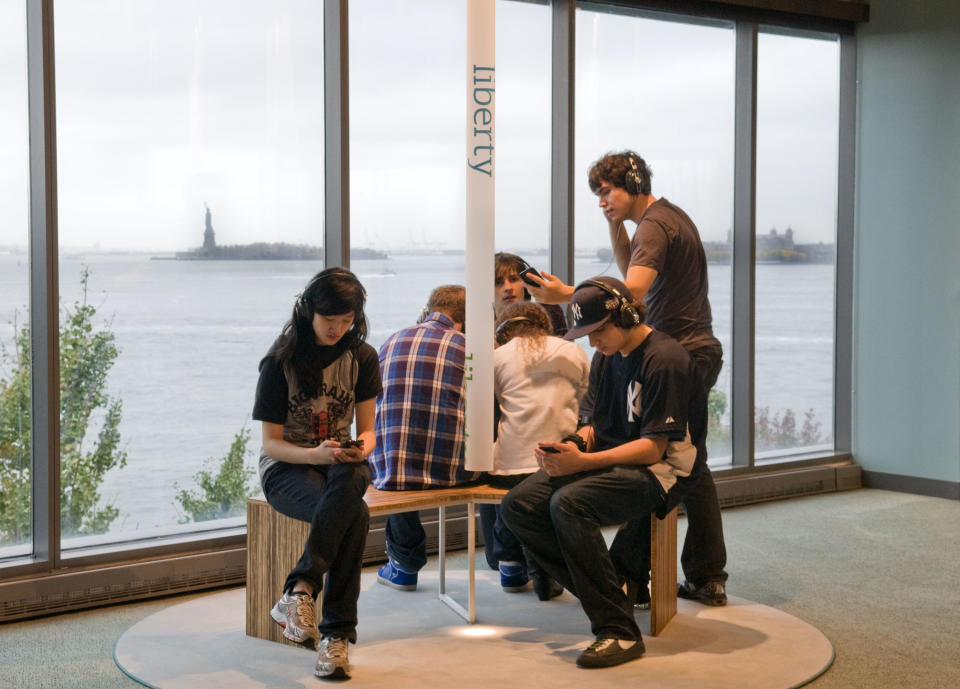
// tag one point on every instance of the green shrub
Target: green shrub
(86, 356)
(225, 493)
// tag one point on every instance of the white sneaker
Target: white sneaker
(297, 614)
(332, 661)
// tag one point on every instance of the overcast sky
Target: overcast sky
(163, 106)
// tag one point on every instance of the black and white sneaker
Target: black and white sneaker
(297, 614)
(709, 593)
(607, 652)
(332, 660)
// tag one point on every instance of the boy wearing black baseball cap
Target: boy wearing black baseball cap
(642, 449)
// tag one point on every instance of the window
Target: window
(190, 149)
(15, 393)
(796, 210)
(664, 90)
(407, 129)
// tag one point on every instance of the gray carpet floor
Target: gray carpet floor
(877, 572)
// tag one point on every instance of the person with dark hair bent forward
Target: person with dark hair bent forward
(642, 450)
(665, 265)
(317, 377)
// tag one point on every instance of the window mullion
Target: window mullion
(846, 174)
(563, 38)
(44, 285)
(336, 139)
(744, 245)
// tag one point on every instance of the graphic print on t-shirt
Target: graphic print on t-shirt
(328, 415)
(634, 402)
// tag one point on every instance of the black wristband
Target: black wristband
(577, 440)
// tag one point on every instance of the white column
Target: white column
(481, 44)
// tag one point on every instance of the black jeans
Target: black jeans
(704, 555)
(558, 519)
(330, 498)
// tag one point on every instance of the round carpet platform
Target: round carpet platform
(411, 640)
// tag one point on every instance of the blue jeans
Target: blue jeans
(406, 541)
(330, 499)
(558, 519)
(499, 542)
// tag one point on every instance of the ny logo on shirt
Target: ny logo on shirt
(633, 401)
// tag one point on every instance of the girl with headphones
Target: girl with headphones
(538, 382)
(318, 377)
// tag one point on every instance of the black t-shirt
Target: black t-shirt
(667, 241)
(271, 402)
(652, 392)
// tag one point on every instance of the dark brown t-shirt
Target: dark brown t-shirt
(667, 241)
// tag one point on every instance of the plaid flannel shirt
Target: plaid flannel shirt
(420, 413)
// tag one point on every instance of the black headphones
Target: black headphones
(500, 334)
(632, 179)
(301, 306)
(626, 316)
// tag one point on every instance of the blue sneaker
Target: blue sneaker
(391, 575)
(513, 577)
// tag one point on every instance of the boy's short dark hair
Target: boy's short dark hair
(626, 170)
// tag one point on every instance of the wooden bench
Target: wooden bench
(275, 543)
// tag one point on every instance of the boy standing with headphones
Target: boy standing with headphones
(664, 265)
(642, 451)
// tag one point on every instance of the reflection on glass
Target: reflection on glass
(189, 150)
(407, 137)
(665, 90)
(16, 523)
(797, 139)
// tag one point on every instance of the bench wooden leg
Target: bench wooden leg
(663, 571)
(274, 544)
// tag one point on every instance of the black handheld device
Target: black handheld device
(344, 444)
(526, 272)
(548, 448)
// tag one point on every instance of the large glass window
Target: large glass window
(796, 210)
(15, 432)
(407, 137)
(190, 198)
(664, 90)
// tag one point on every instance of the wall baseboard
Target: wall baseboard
(934, 488)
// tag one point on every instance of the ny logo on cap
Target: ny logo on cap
(575, 309)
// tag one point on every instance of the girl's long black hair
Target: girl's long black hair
(331, 292)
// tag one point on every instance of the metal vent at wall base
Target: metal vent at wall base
(60, 593)
(748, 490)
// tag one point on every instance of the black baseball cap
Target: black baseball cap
(592, 306)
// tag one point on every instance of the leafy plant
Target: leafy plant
(777, 432)
(86, 356)
(225, 493)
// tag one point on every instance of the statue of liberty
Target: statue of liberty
(209, 242)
